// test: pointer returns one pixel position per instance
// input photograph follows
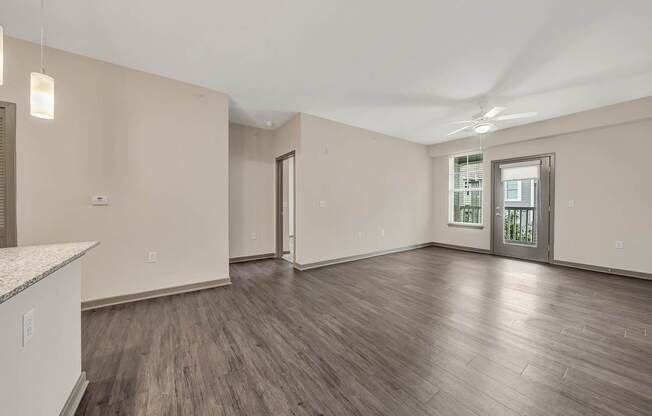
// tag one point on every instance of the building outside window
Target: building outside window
(513, 190)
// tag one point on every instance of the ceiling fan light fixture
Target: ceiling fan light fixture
(483, 128)
(484, 123)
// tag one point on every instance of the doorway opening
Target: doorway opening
(285, 207)
(8, 237)
(522, 197)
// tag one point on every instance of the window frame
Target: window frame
(519, 192)
(452, 191)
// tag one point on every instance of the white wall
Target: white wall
(251, 191)
(604, 169)
(369, 181)
(158, 148)
(38, 378)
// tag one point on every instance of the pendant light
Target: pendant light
(2, 54)
(42, 85)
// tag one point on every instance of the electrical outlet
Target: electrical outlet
(322, 204)
(382, 232)
(152, 257)
(620, 244)
(359, 235)
(28, 326)
(254, 236)
(571, 203)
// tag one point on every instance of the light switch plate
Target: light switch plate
(152, 257)
(28, 326)
(322, 204)
(620, 244)
(571, 203)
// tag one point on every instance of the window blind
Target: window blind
(520, 171)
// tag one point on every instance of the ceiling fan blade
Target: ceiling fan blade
(460, 122)
(494, 112)
(459, 130)
(515, 116)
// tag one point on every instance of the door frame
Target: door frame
(279, 205)
(11, 234)
(551, 213)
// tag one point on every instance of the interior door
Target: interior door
(522, 205)
(285, 207)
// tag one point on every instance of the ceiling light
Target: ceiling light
(42, 86)
(2, 57)
(482, 128)
(42, 96)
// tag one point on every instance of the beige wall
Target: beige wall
(603, 169)
(251, 191)
(369, 182)
(287, 138)
(158, 148)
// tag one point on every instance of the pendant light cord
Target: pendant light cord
(42, 33)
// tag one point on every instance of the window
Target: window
(466, 174)
(513, 191)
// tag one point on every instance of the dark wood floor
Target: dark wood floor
(426, 332)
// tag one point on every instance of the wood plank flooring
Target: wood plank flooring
(425, 332)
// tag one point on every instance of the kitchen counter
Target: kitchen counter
(40, 329)
(21, 267)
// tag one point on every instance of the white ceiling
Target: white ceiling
(401, 68)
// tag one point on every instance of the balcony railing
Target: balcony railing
(469, 214)
(520, 225)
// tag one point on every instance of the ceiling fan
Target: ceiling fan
(482, 123)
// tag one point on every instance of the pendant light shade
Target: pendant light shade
(2, 55)
(42, 96)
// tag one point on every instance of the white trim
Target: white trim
(308, 266)
(452, 190)
(466, 224)
(533, 198)
(70, 407)
(152, 294)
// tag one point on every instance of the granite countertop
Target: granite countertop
(21, 267)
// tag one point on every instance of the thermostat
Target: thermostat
(100, 200)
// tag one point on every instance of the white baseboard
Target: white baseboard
(75, 397)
